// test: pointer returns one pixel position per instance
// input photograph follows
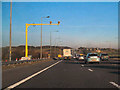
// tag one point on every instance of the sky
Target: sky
(82, 24)
(61, 0)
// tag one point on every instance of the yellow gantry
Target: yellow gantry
(27, 25)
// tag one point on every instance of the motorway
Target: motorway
(63, 74)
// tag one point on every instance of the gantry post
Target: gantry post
(26, 45)
(26, 31)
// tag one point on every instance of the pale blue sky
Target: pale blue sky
(90, 24)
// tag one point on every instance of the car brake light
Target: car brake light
(88, 57)
(98, 56)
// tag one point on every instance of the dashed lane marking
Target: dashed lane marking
(90, 70)
(26, 79)
(116, 85)
(82, 65)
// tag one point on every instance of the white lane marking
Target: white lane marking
(90, 70)
(114, 64)
(24, 80)
(116, 85)
(82, 65)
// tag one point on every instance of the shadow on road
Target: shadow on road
(83, 62)
(117, 72)
(110, 62)
(104, 66)
(73, 62)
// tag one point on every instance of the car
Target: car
(25, 58)
(74, 57)
(81, 57)
(104, 56)
(92, 57)
(77, 56)
(55, 58)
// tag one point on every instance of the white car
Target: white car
(25, 58)
(74, 57)
(92, 57)
(81, 57)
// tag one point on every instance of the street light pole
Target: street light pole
(41, 40)
(50, 44)
(51, 41)
(60, 47)
(41, 36)
(10, 30)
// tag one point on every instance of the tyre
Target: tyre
(86, 62)
(98, 62)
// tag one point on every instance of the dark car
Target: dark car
(104, 56)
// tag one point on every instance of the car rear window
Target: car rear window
(104, 54)
(93, 55)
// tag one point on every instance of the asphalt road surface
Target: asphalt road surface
(64, 74)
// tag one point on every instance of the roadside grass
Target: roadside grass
(10, 66)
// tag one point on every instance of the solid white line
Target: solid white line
(82, 65)
(24, 80)
(90, 70)
(116, 85)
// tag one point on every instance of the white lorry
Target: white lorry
(67, 54)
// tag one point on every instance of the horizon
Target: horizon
(62, 46)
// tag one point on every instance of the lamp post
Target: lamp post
(51, 41)
(10, 30)
(60, 47)
(41, 36)
(56, 46)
